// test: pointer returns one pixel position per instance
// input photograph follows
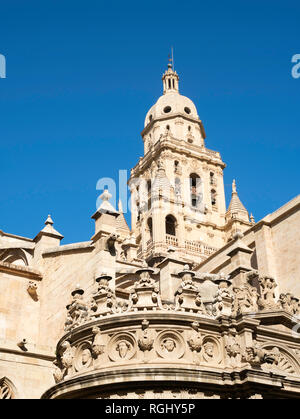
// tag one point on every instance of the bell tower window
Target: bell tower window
(213, 194)
(149, 223)
(171, 225)
(195, 184)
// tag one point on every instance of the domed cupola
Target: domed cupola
(173, 113)
(171, 103)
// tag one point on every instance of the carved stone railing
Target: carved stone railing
(199, 247)
(171, 240)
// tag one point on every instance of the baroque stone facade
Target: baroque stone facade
(194, 301)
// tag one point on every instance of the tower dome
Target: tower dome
(171, 103)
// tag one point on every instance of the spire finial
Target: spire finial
(234, 186)
(105, 196)
(170, 77)
(120, 206)
(49, 220)
(171, 60)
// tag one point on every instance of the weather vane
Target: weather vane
(171, 59)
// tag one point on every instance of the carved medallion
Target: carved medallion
(83, 357)
(170, 345)
(122, 347)
(211, 350)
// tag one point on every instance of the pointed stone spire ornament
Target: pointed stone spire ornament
(120, 206)
(122, 226)
(236, 209)
(49, 220)
(49, 230)
(106, 206)
(234, 186)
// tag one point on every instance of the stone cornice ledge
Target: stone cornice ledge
(96, 382)
(84, 246)
(28, 354)
(25, 271)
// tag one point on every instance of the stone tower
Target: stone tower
(178, 200)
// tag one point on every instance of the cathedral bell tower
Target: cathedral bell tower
(178, 202)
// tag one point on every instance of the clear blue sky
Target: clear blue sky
(81, 76)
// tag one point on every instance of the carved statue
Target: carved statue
(78, 310)
(245, 300)
(145, 280)
(187, 283)
(286, 303)
(224, 297)
(267, 299)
